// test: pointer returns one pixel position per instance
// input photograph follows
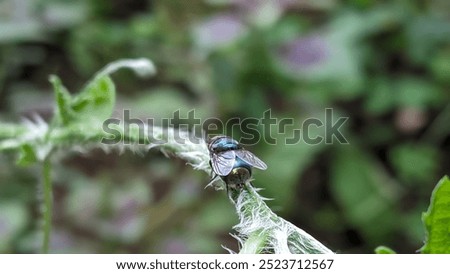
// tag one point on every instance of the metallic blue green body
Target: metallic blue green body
(231, 161)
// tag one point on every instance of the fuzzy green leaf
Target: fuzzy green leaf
(63, 101)
(27, 155)
(90, 107)
(96, 102)
(437, 220)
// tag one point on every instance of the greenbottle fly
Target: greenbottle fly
(231, 161)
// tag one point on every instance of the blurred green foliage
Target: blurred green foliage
(384, 64)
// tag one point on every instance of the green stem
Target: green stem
(48, 204)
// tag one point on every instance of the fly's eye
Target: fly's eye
(215, 147)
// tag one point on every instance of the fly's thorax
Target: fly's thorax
(222, 143)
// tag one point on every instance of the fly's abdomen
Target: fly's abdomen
(238, 176)
(240, 163)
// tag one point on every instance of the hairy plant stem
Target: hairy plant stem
(259, 230)
(254, 244)
(262, 231)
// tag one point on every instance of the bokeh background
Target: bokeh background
(383, 64)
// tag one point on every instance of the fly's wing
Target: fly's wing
(250, 159)
(222, 163)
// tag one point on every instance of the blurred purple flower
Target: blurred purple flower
(128, 212)
(174, 246)
(61, 241)
(305, 53)
(218, 30)
(253, 5)
(410, 119)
